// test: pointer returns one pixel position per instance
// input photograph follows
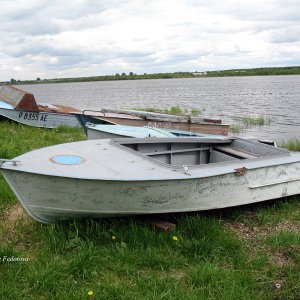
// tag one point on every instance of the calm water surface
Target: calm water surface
(277, 97)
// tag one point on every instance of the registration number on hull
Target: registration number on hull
(33, 116)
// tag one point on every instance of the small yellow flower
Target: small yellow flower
(90, 295)
(113, 237)
(175, 238)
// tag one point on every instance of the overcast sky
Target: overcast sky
(54, 38)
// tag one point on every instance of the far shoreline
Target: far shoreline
(273, 71)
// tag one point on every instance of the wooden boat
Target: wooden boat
(21, 107)
(104, 131)
(102, 178)
(154, 120)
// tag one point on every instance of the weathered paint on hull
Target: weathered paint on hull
(206, 127)
(209, 128)
(49, 198)
(40, 119)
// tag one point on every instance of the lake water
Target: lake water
(276, 97)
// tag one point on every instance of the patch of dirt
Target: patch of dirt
(172, 273)
(278, 258)
(14, 217)
(286, 225)
(13, 214)
(176, 274)
(243, 231)
(23, 246)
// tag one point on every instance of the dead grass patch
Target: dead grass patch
(280, 259)
(13, 214)
(254, 235)
(12, 218)
(243, 231)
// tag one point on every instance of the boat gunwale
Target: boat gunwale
(96, 129)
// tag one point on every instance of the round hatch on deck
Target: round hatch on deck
(67, 159)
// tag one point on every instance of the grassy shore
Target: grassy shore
(250, 252)
(174, 110)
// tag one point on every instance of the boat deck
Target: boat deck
(149, 159)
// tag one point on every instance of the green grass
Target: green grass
(235, 128)
(237, 253)
(242, 122)
(174, 110)
(293, 144)
(17, 139)
(253, 121)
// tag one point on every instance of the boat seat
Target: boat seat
(234, 152)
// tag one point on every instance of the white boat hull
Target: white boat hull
(49, 198)
(39, 119)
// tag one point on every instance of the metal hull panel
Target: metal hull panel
(221, 129)
(49, 198)
(40, 119)
(95, 131)
(127, 120)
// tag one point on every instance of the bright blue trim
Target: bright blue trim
(5, 105)
(67, 159)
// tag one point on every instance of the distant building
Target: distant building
(200, 73)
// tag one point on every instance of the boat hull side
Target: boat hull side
(40, 119)
(209, 128)
(48, 198)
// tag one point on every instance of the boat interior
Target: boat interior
(181, 133)
(197, 151)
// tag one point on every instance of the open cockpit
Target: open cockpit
(198, 151)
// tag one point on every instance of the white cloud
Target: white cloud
(90, 37)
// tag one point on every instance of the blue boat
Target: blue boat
(153, 120)
(5, 105)
(103, 131)
(99, 131)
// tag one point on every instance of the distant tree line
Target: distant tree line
(117, 76)
(256, 72)
(132, 76)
